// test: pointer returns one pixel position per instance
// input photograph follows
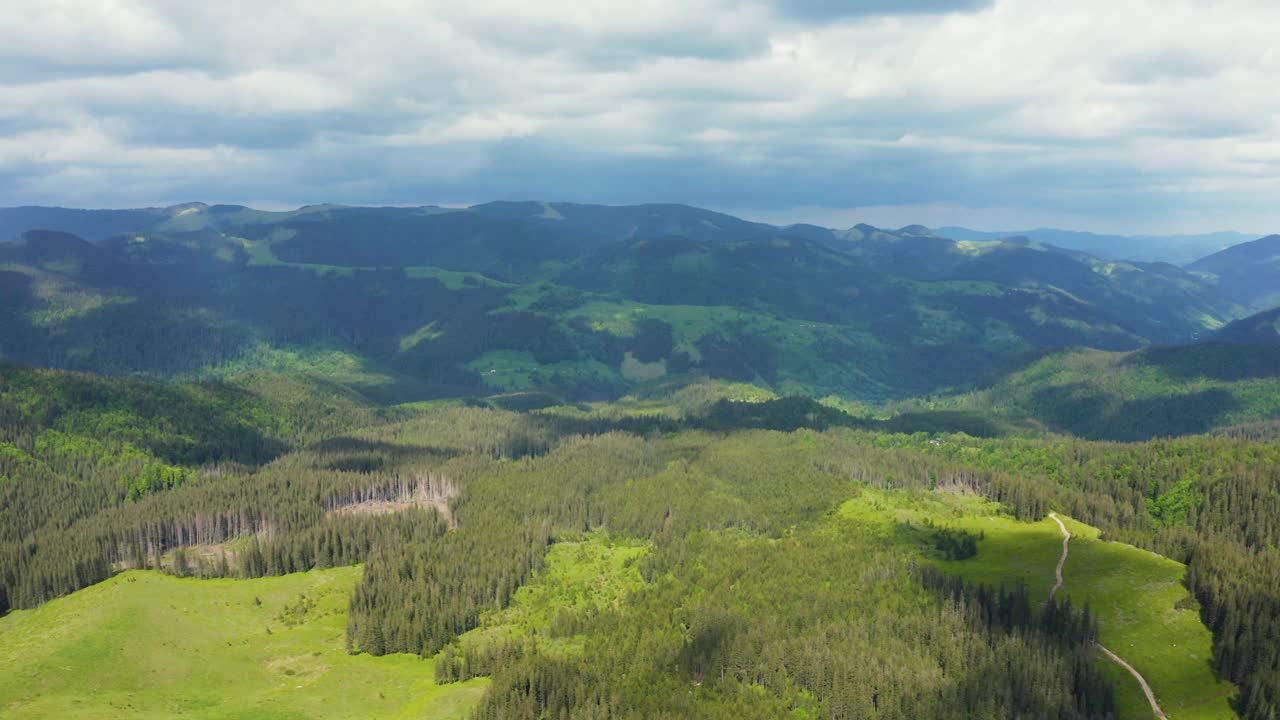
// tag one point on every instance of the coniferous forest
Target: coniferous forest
(757, 596)
(579, 461)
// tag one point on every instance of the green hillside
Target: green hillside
(616, 559)
(1260, 329)
(1136, 395)
(583, 302)
(1143, 610)
(145, 645)
(1248, 273)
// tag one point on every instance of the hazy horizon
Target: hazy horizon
(885, 217)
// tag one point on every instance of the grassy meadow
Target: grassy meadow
(1145, 614)
(146, 645)
(579, 577)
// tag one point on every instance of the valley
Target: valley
(549, 460)
(422, 303)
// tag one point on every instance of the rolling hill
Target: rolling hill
(1176, 249)
(1138, 395)
(585, 302)
(1259, 329)
(1248, 273)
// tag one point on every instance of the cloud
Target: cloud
(1119, 113)
(837, 9)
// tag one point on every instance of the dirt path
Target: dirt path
(1066, 538)
(1151, 696)
(1146, 689)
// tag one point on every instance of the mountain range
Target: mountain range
(580, 301)
(1176, 249)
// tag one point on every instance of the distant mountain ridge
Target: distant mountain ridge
(1248, 273)
(580, 301)
(606, 222)
(1175, 249)
(1260, 329)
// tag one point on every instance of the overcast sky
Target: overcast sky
(1109, 115)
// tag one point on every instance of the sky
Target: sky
(1136, 116)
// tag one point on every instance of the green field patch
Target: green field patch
(689, 322)
(578, 580)
(261, 254)
(518, 370)
(146, 645)
(335, 365)
(1145, 614)
(426, 333)
(680, 398)
(640, 371)
(453, 279)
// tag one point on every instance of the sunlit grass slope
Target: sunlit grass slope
(579, 578)
(1148, 617)
(1144, 613)
(145, 645)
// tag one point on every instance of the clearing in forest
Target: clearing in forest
(1145, 614)
(147, 645)
(579, 579)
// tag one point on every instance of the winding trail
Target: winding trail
(1146, 689)
(1066, 538)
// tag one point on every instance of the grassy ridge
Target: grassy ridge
(144, 645)
(1149, 619)
(1144, 612)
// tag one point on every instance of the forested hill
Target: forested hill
(1260, 329)
(585, 563)
(1139, 395)
(582, 302)
(1176, 249)
(1248, 273)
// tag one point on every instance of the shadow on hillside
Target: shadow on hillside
(15, 290)
(18, 337)
(944, 422)
(1189, 414)
(1076, 407)
(1219, 361)
(349, 445)
(792, 413)
(1085, 412)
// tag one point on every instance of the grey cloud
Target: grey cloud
(533, 168)
(186, 129)
(805, 103)
(836, 9)
(1163, 65)
(617, 53)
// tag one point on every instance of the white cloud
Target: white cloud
(1098, 110)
